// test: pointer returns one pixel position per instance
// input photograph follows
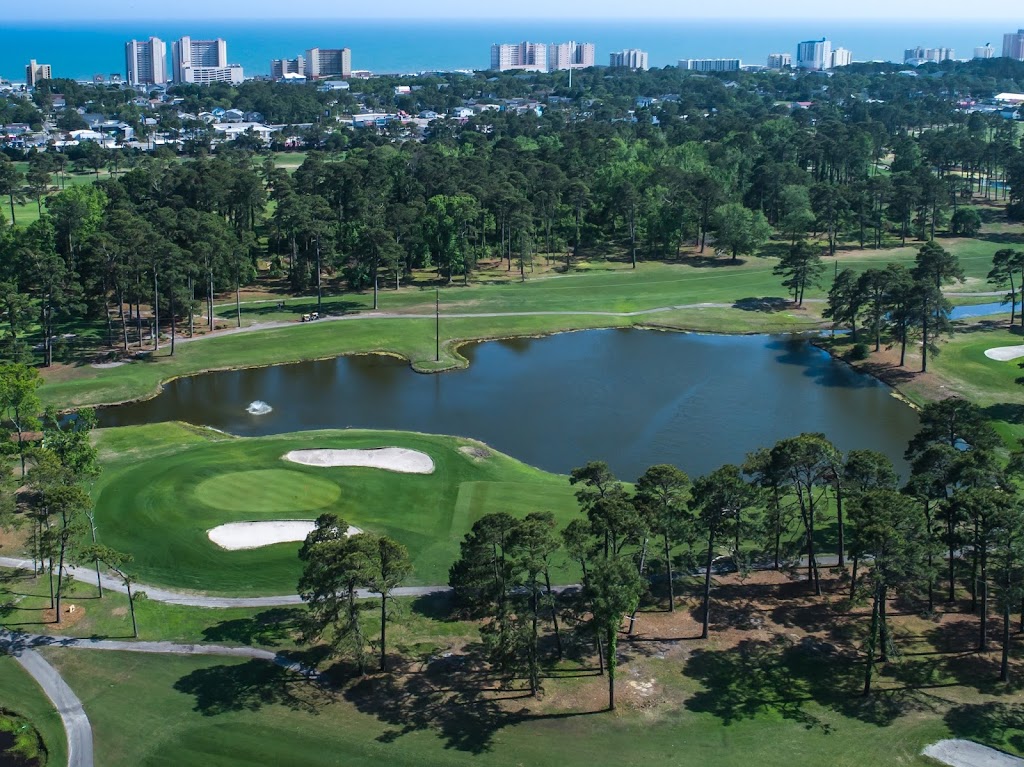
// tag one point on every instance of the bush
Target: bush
(966, 222)
(859, 352)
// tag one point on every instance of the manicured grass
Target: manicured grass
(986, 382)
(162, 710)
(160, 508)
(20, 693)
(27, 601)
(272, 490)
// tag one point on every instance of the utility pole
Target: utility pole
(437, 324)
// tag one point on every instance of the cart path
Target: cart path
(76, 724)
(173, 597)
(189, 599)
(18, 643)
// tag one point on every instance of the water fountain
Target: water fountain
(258, 407)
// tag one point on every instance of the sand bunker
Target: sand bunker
(398, 459)
(965, 753)
(1005, 353)
(235, 536)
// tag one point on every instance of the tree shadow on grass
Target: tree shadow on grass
(249, 687)
(788, 679)
(455, 697)
(270, 628)
(997, 724)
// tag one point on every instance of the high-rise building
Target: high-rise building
(204, 62)
(532, 57)
(840, 58)
(328, 62)
(35, 72)
(814, 54)
(985, 51)
(710, 65)
(630, 57)
(779, 60)
(921, 55)
(1013, 45)
(570, 55)
(146, 62)
(281, 68)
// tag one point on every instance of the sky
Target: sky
(57, 11)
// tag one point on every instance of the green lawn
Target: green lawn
(158, 506)
(20, 694)
(220, 712)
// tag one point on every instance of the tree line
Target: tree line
(956, 523)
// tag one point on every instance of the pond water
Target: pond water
(981, 310)
(630, 397)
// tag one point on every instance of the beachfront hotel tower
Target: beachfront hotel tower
(532, 57)
(814, 54)
(204, 62)
(632, 58)
(36, 73)
(328, 62)
(146, 62)
(1013, 45)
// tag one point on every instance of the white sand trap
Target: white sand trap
(398, 459)
(235, 536)
(1005, 353)
(965, 753)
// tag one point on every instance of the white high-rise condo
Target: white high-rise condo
(814, 54)
(34, 73)
(921, 55)
(532, 57)
(146, 62)
(630, 57)
(570, 55)
(841, 58)
(328, 62)
(283, 69)
(710, 65)
(780, 60)
(985, 51)
(204, 62)
(1013, 45)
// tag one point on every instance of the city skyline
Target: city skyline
(592, 9)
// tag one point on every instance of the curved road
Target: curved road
(76, 723)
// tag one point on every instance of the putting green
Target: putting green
(273, 490)
(162, 489)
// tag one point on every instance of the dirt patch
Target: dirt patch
(475, 452)
(71, 613)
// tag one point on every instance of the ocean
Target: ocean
(81, 50)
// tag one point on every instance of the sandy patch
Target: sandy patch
(236, 536)
(964, 753)
(106, 365)
(398, 459)
(1005, 353)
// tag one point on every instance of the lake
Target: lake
(630, 397)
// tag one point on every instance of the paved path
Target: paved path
(16, 642)
(965, 753)
(76, 723)
(170, 596)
